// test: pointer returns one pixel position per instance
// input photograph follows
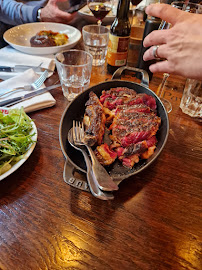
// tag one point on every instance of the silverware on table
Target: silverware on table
(34, 86)
(12, 101)
(92, 183)
(21, 68)
(104, 180)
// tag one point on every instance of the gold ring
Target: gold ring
(155, 48)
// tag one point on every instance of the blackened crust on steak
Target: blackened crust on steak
(94, 121)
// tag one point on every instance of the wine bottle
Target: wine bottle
(119, 38)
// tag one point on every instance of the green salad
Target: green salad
(15, 137)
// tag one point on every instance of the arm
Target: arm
(180, 45)
(15, 13)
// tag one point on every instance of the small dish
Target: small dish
(19, 37)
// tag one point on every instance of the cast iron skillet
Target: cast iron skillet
(75, 111)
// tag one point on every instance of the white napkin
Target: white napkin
(11, 57)
(33, 104)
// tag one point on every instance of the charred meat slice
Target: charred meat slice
(130, 126)
(131, 154)
(116, 96)
(94, 121)
(144, 99)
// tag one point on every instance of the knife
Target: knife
(16, 100)
(21, 68)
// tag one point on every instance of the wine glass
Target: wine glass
(100, 8)
(187, 7)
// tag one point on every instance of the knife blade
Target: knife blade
(12, 101)
(21, 68)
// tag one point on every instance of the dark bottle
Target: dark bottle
(119, 38)
(152, 23)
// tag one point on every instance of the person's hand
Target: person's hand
(51, 13)
(180, 45)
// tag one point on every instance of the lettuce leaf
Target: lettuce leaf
(15, 137)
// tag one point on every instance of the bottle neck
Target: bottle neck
(123, 9)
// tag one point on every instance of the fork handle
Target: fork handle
(93, 183)
(104, 180)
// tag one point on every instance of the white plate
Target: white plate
(26, 155)
(19, 37)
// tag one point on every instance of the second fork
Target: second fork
(34, 86)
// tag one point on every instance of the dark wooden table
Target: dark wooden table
(153, 223)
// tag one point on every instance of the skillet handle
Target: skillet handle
(145, 77)
(69, 178)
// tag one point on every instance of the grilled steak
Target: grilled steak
(94, 121)
(116, 96)
(122, 95)
(130, 125)
(133, 125)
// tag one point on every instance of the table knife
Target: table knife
(12, 101)
(21, 68)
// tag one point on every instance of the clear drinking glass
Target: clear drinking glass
(191, 102)
(74, 70)
(96, 40)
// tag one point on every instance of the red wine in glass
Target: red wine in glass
(99, 9)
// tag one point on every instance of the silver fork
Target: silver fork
(35, 85)
(90, 176)
(104, 180)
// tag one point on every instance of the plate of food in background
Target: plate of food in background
(42, 38)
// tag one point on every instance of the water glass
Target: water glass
(96, 40)
(74, 70)
(191, 102)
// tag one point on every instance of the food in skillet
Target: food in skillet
(94, 121)
(132, 124)
(48, 38)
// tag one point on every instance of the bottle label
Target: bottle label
(117, 50)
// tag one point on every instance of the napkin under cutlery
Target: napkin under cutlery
(11, 57)
(33, 104)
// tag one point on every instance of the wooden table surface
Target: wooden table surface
(153, 223)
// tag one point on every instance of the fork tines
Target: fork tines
(78, 131)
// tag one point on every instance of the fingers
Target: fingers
(161, 52)
(161, 67)
(156, 37)
(165, 12)
(51, 13)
